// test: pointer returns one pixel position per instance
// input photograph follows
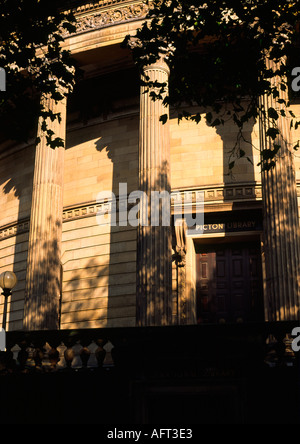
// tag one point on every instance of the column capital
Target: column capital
(160, 64)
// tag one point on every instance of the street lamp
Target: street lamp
(8, 281)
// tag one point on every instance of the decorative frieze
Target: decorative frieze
(216, 194)
(109, 13)
(96, 5)
(14, 229)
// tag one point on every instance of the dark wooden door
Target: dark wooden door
(229, 283)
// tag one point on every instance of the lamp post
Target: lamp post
(8, 281)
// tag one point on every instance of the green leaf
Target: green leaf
(26, 27)
(216, 122)
(272, 132)
(208, 117)
(163, 118)
(197, 118)
(276, 147)
(267, 154)
(272, 113)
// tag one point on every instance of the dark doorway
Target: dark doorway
(229, 283)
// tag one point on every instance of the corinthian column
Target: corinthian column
(43, 277)
(281, 222)
(154, 233)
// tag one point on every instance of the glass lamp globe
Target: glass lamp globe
(8, 280)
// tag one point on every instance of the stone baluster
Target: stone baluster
(281, 222)
(61, 353)
(154, 237)
(43, 276)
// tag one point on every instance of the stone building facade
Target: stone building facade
(74, 272)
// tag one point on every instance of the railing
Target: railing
(247, 373)
(156, 349)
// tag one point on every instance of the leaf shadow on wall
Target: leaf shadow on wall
(99, 103)
(16, 182)
(43, 289)
(121, 262)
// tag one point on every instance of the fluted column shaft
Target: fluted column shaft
(43, 277)
(281, 223)
(154, 242)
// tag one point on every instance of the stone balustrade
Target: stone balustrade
(195, 349)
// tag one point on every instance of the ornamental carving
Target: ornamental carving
(110, 17)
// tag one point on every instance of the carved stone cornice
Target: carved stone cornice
(14, 229)
(106, 13)
(96, 5)
(212, 194)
